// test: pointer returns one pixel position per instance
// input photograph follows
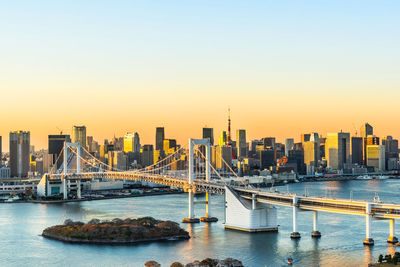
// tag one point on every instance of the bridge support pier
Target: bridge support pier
(368, 218)
(247, 215)
(315, 233)
(392, 239)
(65, 188)
(295, 234)
(78, 189)
(208, 218)
(191, 218)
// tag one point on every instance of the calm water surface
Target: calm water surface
(341, 244)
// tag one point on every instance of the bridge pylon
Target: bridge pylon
(392, 239)
(368, 241)
(295, 234)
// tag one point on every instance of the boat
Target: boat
(383, 177)
(12, 198)
(364, 177)
(289, 260)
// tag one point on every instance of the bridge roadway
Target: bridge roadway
(355, 207)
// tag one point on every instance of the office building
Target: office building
(160, 136)
(311, 149)
(357, 150)
(169, 146)
(267, 158)
(289, 144)
(209, 133)
(19, 153)
(55, 148)
(337, 150)
(221, 157)
(146, 156)
(366, 130)
(376, 157)
(222, 141)
(131, 142)
(241, 143)
(269, 142)
(79, 135)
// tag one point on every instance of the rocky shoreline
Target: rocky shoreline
(116, 232)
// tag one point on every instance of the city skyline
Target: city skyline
(182, 138)
(283, 67)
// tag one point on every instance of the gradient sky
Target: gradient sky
(283, 67)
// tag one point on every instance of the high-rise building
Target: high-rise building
(160, 138)
(366, 130)
(222, 156)
(56, 146)
(376, 157)
(209, 133)
(19, 153)
(222, 141)
(269, 142)
(241, 143)
(391, 152)
(267, 158)
(289, 144)
(169, 146)
(311, 150)
(79, 135)
(131, 142)
(337, 150)
(146, 155)
(357, 150)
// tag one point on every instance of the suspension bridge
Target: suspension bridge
(246, 208)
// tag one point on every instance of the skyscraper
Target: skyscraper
(160, 138)
(209, 133)
(311, 149)
(357, 150)
(56, 145)
(79, 135)
(222, 141)
(19, 153)
(241, 143)
(366, 130)
(337, 150)
(289, 144)
(269, 142)
(131, 142)
(376, 157)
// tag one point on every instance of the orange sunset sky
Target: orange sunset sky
(283, 68)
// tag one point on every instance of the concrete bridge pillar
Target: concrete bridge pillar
(368, 218)
(65, 170)
(392, 239)
(315, 233)
(191, 218)
(65, 188)
(295, 234)
(78, 189)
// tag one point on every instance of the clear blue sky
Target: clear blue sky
(331, 63)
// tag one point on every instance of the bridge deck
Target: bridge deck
(344, 206)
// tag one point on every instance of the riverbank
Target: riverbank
(116, 232)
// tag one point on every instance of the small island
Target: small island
(117, 231)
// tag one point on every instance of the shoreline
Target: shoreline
(92, 199)
(112, 242)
